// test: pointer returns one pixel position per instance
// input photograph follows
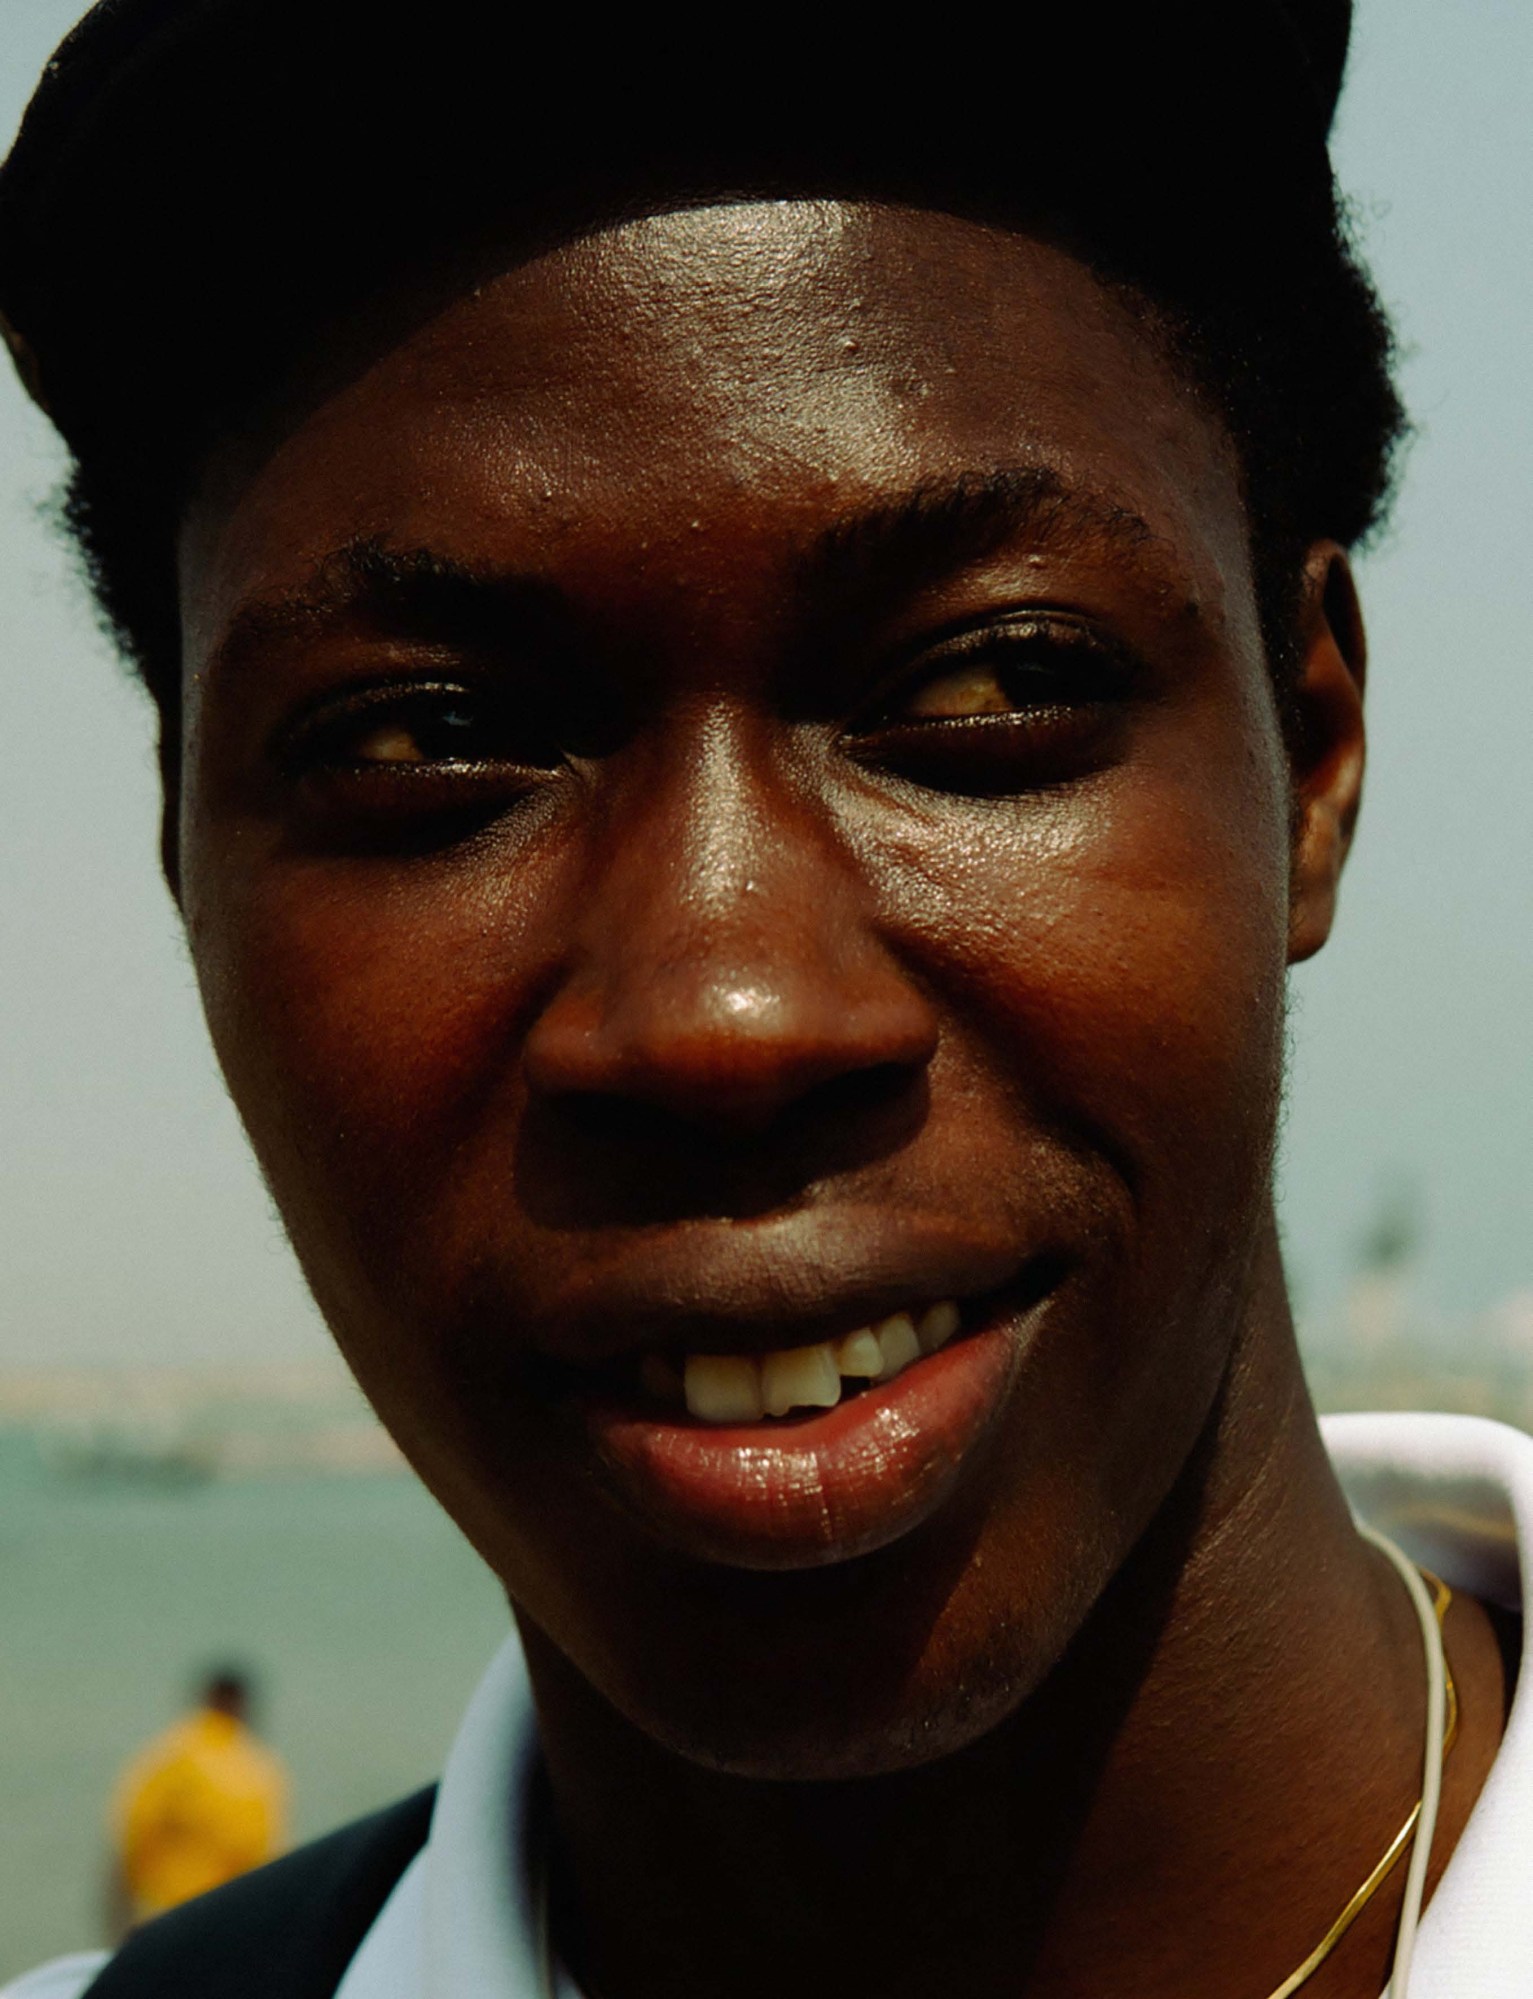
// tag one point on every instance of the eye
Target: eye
(1013, 705)
(416, 728)
(969, 690)
(412, 765)
(1018, 667)
(421, 731)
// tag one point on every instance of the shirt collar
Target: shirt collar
(1456, 1492)
(463, 1921)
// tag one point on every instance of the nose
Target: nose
(726, 970)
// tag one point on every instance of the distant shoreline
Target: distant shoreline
(188, 1423)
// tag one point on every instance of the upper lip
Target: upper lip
(721, 1289)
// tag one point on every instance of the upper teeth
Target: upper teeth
(743, 1388)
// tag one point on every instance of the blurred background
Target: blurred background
(186, 1474)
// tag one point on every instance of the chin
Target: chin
(872, 1668)
(807, 1748)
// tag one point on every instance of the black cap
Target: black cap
(201, 186)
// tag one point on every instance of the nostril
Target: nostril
(605, 1119)
(855, 1102)
(858, 1093)
(634, 1157)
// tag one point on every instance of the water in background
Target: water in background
(156, 1521)
(350, 1594)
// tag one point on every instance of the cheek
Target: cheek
(364, 1017)
(1115, 959)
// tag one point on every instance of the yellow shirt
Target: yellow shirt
(204, 1802)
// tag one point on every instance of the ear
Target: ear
(1325, 744)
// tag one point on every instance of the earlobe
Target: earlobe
(1326, 744)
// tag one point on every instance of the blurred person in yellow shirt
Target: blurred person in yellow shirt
(203, 1802)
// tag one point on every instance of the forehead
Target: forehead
(729, 378)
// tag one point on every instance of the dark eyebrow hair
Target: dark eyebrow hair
(850, 571)
(943, 524)
(932, 530)
(414, 592)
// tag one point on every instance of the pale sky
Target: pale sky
(132, 1224)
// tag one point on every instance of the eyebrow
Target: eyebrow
(888, 553)
(944, 524)
(408, 593)
(857, 568)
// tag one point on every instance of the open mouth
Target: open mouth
(813, 1453)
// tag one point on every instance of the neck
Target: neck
(1248, 1687)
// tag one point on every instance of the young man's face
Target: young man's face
(732, 791)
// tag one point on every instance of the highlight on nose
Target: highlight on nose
(734, 1051)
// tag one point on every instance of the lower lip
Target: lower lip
(817, 1489)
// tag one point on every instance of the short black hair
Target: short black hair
(1192, 176)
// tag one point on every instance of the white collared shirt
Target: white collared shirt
(1455, 1492)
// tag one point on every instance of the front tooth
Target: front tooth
(938, 1325)
(724, 1388)
(897, 1343)
(860, 1355)
(800, 1378)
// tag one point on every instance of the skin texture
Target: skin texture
(731, 988)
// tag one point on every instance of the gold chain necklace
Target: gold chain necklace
(1442, 1597)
